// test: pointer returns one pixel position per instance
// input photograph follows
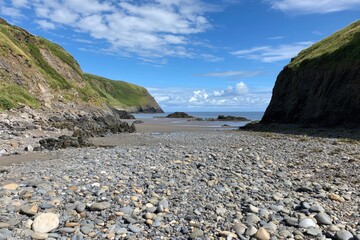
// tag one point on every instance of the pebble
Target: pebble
(317, 208)
(307, 223)
(66, 230)
(99, 206)
(262, 234)
(336, 197)
(38, 235)
(45, 222)
(29, 210)
(46, 206)
(343, 235)
(203, 185)
(323, 219)
(312, 231)
(251, 230)
(239, 228)
(197, 233)
(80, 207)
(86, 229)
(11, 186)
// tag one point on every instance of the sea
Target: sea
(253, 116)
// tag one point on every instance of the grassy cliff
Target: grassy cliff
(38, 73)
(321, 86)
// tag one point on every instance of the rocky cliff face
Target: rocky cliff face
(321, 86)
(40, 74)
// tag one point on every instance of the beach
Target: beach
(176, 179)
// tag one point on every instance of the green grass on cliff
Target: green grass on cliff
(17, 44)
(344, 43)
(118, 93)
(11, 95)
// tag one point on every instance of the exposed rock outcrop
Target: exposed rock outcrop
(179, 115)
(321, 86)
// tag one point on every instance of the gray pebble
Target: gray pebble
(323, 219)
(343, 235)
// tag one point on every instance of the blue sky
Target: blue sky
(191, 55)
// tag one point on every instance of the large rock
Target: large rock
(321, 86)
(179, 115)
(62, 142)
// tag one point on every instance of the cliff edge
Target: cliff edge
(321, 86)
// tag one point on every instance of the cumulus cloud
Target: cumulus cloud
(152, 28)
(20, 3)
(311, 6)
(272, 54)
(199, 96)
(46, 24)
(10, 12)
(238, 96)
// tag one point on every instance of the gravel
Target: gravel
(188, 185)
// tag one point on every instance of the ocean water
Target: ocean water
(156, 118)
(254, 116)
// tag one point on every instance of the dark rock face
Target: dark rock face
(179, 115)
(320, 91)
(85, 126)
(149, 109)
(62, 142)
(232, 119)
(316, 95)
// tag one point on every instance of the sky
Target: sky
(191, 55)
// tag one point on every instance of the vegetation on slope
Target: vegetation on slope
(69, 83)
(344, 43)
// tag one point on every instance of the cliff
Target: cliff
(321, 86)
(40, 74)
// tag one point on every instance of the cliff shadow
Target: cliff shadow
(349, 132)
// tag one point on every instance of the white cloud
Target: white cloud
(150, 29)
(238, 74)
(273, 54)
(45, 24)
(211, 58)
(276, 38)
(311, 6)
(241, 88)
(20, 3)
(199, 96)
(10, 11)
(239, 96)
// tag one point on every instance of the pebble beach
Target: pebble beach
(185, 183)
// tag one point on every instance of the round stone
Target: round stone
(343, 235)
(307, 223)
(317, 208)
(323, 219)
(239, 228)
(99, 206)
(313, 231)
(45, 222)
(29, 210)
(262, 234)
(11, 186)
(197, 233)
(134, 228)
